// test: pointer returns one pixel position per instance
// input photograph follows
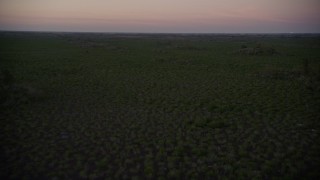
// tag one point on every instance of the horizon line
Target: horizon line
(122, 32)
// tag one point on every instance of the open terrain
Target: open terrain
(159, 106)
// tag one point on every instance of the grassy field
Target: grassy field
(133, 106)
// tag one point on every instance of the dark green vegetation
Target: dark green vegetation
(159, 106)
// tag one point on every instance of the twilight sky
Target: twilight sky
(162, 16)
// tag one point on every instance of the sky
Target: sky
(162, 16)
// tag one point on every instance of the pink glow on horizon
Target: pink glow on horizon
(161, 16)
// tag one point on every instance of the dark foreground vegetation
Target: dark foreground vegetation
(133, 106)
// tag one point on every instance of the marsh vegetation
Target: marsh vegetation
(159, 106)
